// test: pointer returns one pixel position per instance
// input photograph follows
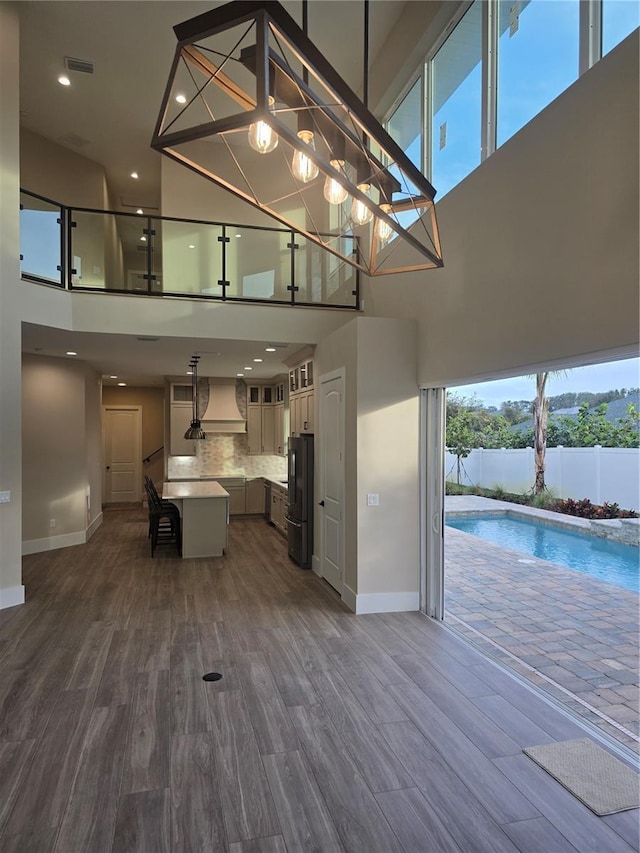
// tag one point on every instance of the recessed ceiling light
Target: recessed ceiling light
(181, 99)
(135, 175)
(189, 372)
(270, 349)
(191, 246)
(247, 368)
(113, 377)
(238, 235)
(257, 359)
(122, 384)
(64, 80)
(139, 211)
(239, 374)
(143, 239)
(71, 352)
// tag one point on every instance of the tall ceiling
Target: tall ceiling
(109, 117)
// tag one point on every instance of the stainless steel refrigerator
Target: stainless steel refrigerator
(300, 511)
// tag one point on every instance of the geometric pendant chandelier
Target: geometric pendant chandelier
(253, 106)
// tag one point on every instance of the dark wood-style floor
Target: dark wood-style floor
(327, 732)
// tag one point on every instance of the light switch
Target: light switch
(5, 497)
(373, 500)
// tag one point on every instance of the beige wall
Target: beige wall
(60, 174)
(55, 472)
(378, 357)
(93, 440)
(11, 589)
(387, 422)
(540, 242)
(152, 402)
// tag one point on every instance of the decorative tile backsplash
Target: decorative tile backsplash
(225, 454)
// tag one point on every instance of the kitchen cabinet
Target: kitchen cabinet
(261, 429)
(302, 395)
(280, 431)
(237, 494)
(302, 413)
(254, 429)
(255, 496)
(279, 507)
(180, 411)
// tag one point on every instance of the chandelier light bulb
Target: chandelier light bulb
(333, 191)
(383, 229)
(303, 168)
(262, 137)
(360, 213)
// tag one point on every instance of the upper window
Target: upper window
(538, 43)
(405, 127)
(405, 124)
(457, 103)
(619, 18)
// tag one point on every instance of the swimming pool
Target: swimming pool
(609, 561)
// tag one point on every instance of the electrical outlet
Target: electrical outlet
(5, 497)
(52, 522)
(373, 500)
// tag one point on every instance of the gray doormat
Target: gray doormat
(600, 780)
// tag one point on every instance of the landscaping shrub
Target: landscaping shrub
(546, 500)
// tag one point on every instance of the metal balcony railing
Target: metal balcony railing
(100, 250)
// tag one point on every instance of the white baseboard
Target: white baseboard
(95, 524)
(11, 596)
(315, 566)
(349, 597)
(381, 602)
(64, 540)
(52, 543)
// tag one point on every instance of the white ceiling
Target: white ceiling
(132, 46)
(147, 362)
(131, 43)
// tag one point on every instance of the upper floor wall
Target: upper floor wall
(540, 242)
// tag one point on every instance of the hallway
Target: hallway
(327, 732)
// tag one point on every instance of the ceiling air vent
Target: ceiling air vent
(83, 66)
(73, 139)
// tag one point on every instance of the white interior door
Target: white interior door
(332, 477)
(122, 440)
(432, 441)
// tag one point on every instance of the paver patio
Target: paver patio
(572, 635)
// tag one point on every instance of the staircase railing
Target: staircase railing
(102, 250)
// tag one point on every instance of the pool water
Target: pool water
(613, 562)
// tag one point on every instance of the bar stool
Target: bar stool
(164, 519)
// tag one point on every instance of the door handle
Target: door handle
(321, 503)
(292, 522)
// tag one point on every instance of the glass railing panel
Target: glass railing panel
(40, 240)
(186, 258)
(322, 278)
(124, 252)
(258, 264)
(87, 264)
(109, 251)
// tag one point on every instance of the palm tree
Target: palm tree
(540, 421)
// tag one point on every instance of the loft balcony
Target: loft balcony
(104, 251)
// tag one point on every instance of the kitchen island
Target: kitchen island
(204, 510)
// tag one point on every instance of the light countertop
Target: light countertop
(193, 489)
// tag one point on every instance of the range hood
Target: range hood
(222, 414)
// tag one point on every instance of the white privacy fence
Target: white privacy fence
(599, 473)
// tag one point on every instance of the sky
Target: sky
(594, 377)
